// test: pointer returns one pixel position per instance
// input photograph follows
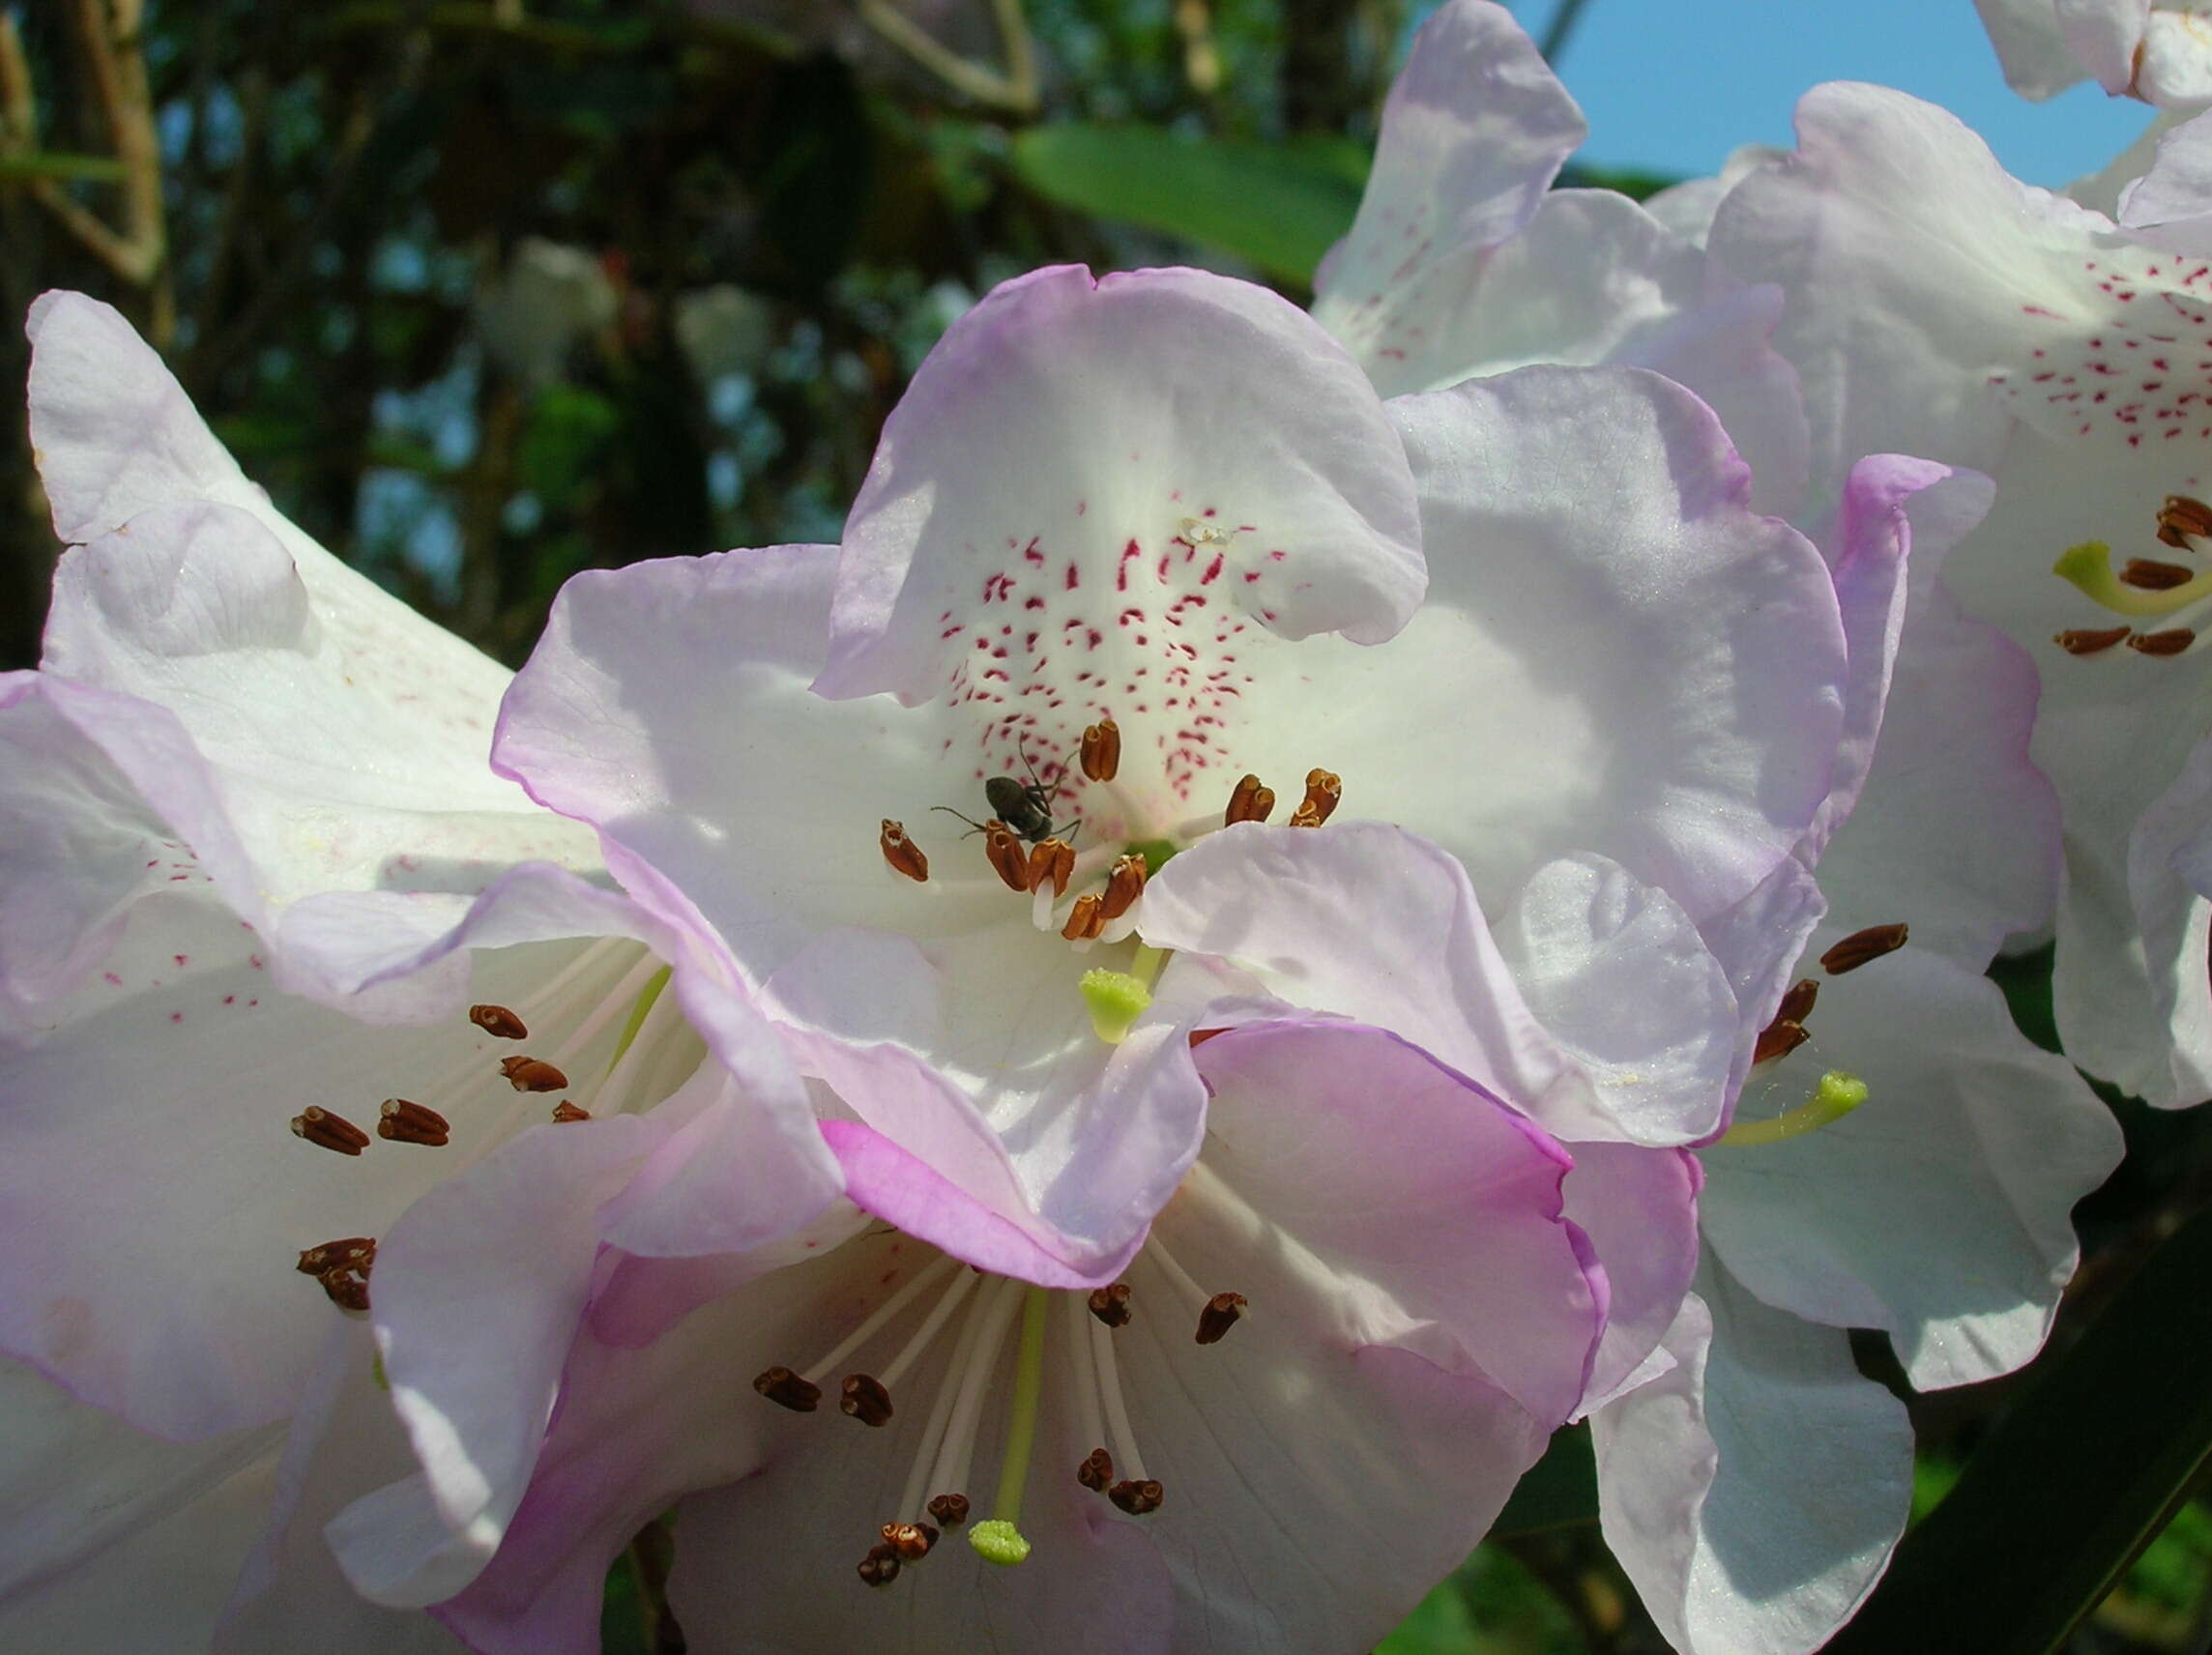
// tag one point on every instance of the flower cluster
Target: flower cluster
(1303, 900)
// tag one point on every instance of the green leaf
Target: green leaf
(2080, 1476)
(1276, 206)
(1558, 1490)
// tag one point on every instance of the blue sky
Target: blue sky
(1673, 85)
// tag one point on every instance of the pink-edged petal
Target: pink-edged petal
(1374, 925)
(1409, 1206)
(1757, 943)
(1658, 670)
(1473, 130)
(478, 1292)
(1939, 1210)
(1639, 1207)
(81, 845)
(291, 1593)
(1799, 1473)
(1112, 414)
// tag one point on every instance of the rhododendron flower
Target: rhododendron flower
(1099, 561)
(1463, 259)
(1938, 304)
(247, 821)
(2157, 50)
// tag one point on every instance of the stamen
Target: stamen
(903, 853)
(499, 1022)
(786, 1389)
(1118, 1431)
(1111, 1304)
(2168, 643)
(1097, 1472)
(2089, 640)
(530, 1074)
(926, 1334)
(328, 1131)
(995, 1314)
(1116, 1000)
(564, 1112)
(865, 1399)
(1101, 751)
(1083, 1376)
(2180, 518)
(1249, 802)
(1836, 1096)
(1182, 1280)
(912, 1541)
(1797, 1004)
(1137, 1499)
(1052, 861)
(999, 1538)
(1862, 947)
(405, 1122)
(1006, 855)
(1084, 920)
(342, 1268)
(1222, 1312)
(2152, 575)
(920, 1283)
(1123, 886)
(1778, 1039)
(880, 1566)
(950, 1510)
(1324, 792)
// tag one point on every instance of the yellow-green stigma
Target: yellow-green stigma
(996, 1538)
(1836, 1096)
(2088, 568)
(1116, 1001)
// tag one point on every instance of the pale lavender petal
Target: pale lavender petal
(1112, 416)
(1639, 1207)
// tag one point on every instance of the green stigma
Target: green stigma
(1116, 1001)
(645, 998)
(998, 1541)
(1155, 852)
(1835, 1097)
(2088, 568)
(998, 1538)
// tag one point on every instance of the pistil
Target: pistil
(998, 1537)
(1836, 1096)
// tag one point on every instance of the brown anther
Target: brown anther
(1111, 1305)
(1101, 751)
(1778, 1039)
(405, 1122)
(328, 1131)
(2148, 574)
(528, 1074)
(1123, 886)
(1097, 1472)
(950, 1510)
(912, 1541)
(2089, 640)
(2168, 643)
(1084, 920)
(499, 1022)
(1324, 792)
(865, 1400)
(1249, 802)
(903, 853)
(1007, 856)
(1797, 1004)
(564, 1112)
(786, 1389)
(1136, 1499)
(1051, 860)
(1222, 1312)
(353, 1252)
(880, 1566)
(1860, 946)
(347, 1288)
(2181, 518)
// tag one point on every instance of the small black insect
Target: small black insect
(1024, 806)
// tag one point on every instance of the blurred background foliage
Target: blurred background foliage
(487, 292)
